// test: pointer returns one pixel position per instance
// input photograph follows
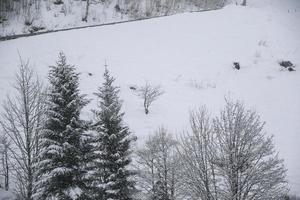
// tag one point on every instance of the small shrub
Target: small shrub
(237, 65)
(29, 17)
(287, 65)
(36, 29)
(117, 8)
(2, 19)
(211, 85)
(197, 84)
(204, 84)
(262, 43)
(28, 22)
(133, 88)
(148, 14)
(58, 2)
(149, 94)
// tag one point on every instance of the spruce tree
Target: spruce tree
(113, 141)
(87, 164)
(59, 168)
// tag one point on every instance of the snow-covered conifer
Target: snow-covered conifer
(59, 168)
(113, 141)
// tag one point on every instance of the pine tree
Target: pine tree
(87, 165)
(112, 146)
(59, 172)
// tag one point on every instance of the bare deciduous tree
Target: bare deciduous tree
(5, 160)
(196, 153)
(157, 163)
(21, 121)
(87, 7)
(149, 94)
(246, 159)
(230, 158)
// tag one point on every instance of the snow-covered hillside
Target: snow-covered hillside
(49, 15)
(190, 56)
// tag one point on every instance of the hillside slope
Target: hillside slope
(18, 17)
(190, 56)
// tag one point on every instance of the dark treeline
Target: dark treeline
(48, 152)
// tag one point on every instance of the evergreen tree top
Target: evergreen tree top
(109, 102)
(63, 73)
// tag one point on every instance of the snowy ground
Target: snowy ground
(4, 195)
(190, 56)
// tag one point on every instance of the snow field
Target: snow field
(190, 56)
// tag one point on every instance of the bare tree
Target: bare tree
(196, 152)
(87, 7)
(246, 159)
(157, 163)
(244, 3)
(21, 121)
(231, 157)
(149, 94)
(5, 160)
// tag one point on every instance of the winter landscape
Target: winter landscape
(183, 100)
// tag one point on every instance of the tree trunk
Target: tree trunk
(85, 18)
(6, 178)
(146, 107)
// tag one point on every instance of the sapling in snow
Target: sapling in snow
(149, 94)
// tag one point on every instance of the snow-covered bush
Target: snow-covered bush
(236, 65)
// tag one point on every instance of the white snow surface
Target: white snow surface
(6, 195)
(190, 55)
